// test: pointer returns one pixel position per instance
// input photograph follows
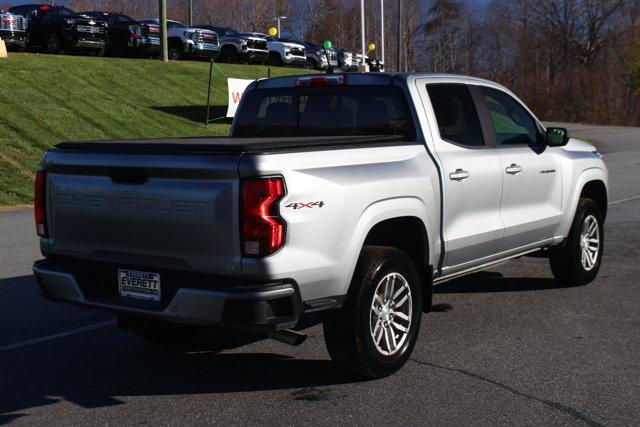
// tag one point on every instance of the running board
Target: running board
(481, 266)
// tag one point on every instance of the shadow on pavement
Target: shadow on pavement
(487, 281)
(91, 369)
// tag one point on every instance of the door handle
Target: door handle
(459, 175)
(513, 169)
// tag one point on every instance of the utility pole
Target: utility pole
(362, 32)
(278, 19)
(190, 13)
(164, 48)
(399, 66)
(382, 31)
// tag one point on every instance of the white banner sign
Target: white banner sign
(236, 89)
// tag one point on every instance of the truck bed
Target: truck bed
(225, 144)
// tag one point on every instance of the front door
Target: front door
(531, 204)
(472, 225)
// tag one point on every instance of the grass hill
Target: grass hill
(47, 99)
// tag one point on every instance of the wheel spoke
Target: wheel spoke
(401, 315)
(399, 327)
(393, 337)
(375, 329)
(386, 338)
(402, 301)
(379, 337)
(376, 297)
(397, 294)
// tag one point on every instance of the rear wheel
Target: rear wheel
(228, 55)
(165, 334)
(373, 335)
(175, 52)
(577, 260)
(118, 48)
(53, 44)
(274, 59)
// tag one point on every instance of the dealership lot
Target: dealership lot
(506, 345)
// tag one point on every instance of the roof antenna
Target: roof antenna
(327, 45)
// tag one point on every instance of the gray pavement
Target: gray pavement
(506, 346)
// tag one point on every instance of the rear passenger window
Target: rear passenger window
(456, 114)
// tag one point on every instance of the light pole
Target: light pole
(382, 31)
(278, 19)
(163, 31)
(362, 31)
(399, 65)
(191, 13)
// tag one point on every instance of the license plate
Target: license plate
(139, 284)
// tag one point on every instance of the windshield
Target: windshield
(351, 110)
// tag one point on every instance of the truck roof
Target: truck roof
(383, 78)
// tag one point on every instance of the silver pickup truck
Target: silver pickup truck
(344, 194)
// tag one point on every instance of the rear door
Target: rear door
(531, 204)
(472, 176)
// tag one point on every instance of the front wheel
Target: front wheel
(577, 260)
(175, 52)
(53, 44)
(374, 333)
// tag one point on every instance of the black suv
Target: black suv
(236, 47)
(125, 35)
(56, 28)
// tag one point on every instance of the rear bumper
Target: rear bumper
(264, 306)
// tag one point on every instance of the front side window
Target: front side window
(355, 110)
(512, 123)
(456, 114)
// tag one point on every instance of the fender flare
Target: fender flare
(586, 176)
(383, 210)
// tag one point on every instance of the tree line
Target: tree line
(570, 60)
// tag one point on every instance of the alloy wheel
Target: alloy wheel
(390, 314)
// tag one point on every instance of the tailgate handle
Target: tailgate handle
(127, 175)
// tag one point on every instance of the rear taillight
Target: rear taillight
(39, 203)
(263, 229)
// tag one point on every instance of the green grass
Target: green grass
(47, 99)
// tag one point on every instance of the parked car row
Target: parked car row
(54, 28)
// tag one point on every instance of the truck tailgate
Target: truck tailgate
(169, 211)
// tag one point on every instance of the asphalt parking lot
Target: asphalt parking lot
(504, 346)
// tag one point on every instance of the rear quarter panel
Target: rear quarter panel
(358, 188)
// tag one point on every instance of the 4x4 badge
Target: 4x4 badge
(302, 205)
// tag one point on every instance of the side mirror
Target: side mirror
(557, 137)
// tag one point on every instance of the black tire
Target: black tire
(310, 64)
(566, 259)
(164, 334)
(118, 48)
(274, 59)
(349, 331)
(53, 44)
(228, 55)
(175, 52)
